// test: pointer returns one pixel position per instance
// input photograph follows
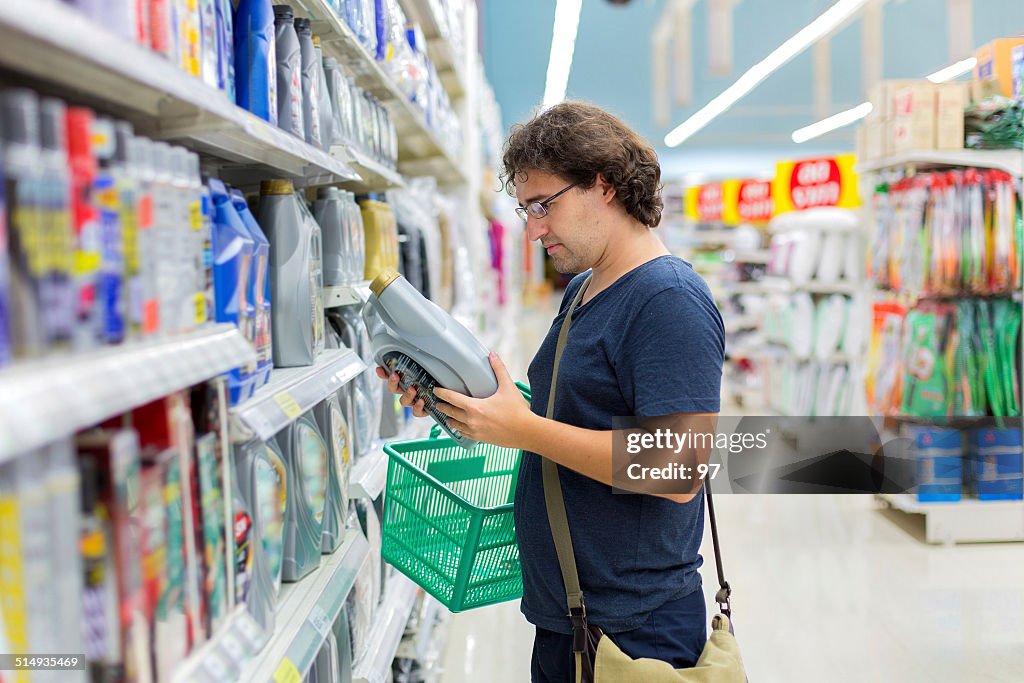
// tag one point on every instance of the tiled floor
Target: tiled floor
(831, 589)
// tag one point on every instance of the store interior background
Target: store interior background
(925, 586)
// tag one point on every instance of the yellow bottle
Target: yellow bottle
(381, 235)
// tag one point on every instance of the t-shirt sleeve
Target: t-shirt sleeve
(670, 359)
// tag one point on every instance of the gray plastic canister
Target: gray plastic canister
(330, 212)
(310, 83)
(290, 115)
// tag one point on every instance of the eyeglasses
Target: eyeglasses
(540, 209)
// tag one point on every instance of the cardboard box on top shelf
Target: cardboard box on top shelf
(880, 95)
(913, 117)
(950, 102)
(875, 136)
(995, 63)
(861, 147)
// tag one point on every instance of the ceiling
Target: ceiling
(612, 68)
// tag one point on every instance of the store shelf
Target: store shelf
(711, 237)
(306, 611)
(780, 284)
(1009, 160)
(222, 657)
(370, 474)
(346, 295)
(374, 665)
(58, 45)
(438, 46)
(746, 322)
(966, 521)
(42, 401)
(758, 256)
(420, 151)
(292, 392)
(374, 176)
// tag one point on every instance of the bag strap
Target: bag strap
(559, 521)
(555, 502)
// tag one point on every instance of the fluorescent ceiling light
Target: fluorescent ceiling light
(563, 43)
(829, 21)
(843, 118)
(953, 70)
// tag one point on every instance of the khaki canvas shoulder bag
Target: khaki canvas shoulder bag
(598, 659)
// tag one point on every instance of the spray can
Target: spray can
(58, 304)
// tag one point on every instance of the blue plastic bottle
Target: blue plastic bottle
(256, 59)
(233, 249)
(259, 290)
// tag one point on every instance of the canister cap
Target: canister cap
(381, 282)
(303, 27)
(277, 186)
(284, 13)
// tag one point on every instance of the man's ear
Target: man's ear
(606, 189)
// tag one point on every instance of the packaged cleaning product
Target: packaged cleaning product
(262, 479)
(381, 238)
(416, 338)
(927, 385)
(226, 48)
(234, 251)
(939, 454)
(190, 31)
(24, 180)
(330, 212)
(259, 291)
(331, 421)
(327, 134)
(113, 459)
(124, 173)
(58, 314)
(208, 65)
(310, 83)
(306, 455)
(290, 105)
(147, 295)
(296, 278)
(255, 59)
(111, 290)
(161, 36)
(996, 458)
(63, 515)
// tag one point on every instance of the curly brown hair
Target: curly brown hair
(576, 141)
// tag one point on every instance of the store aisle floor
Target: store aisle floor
(831, 588)
(825, 588)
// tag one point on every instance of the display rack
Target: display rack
(438, 48)
(964, 521)
(420, 151)
(346, 295)
(42, 401)
(306, 611)
(374, 176)
(756, 256)
(1009, 160)
(967, 520)
(292, 392)
(370, 473)
(56, 44)
(374, 664)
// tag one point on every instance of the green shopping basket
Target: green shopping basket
(448, 521)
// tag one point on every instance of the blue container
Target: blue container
(939, 463)
(997, 459)
(233, 250)
(259, 290)
(255, 59)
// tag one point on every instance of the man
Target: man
(646, 341)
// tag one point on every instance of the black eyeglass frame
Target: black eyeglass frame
(525, 211)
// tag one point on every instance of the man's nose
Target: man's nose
(535, 228)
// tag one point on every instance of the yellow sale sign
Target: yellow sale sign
(811, 183)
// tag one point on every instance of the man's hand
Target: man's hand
(499, 419)
(408, 397)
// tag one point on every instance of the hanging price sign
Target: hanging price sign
(812, 183)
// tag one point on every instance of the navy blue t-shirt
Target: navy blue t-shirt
(651, 344)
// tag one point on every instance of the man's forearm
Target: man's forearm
(586, 451)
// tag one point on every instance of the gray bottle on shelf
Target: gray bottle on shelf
(310, 83)
(329, 211)
(290, 116)
(416, 338)
(296, 280)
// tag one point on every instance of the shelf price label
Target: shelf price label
(812, 183)
(318, 618)
(287, 672)
(288, 404)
